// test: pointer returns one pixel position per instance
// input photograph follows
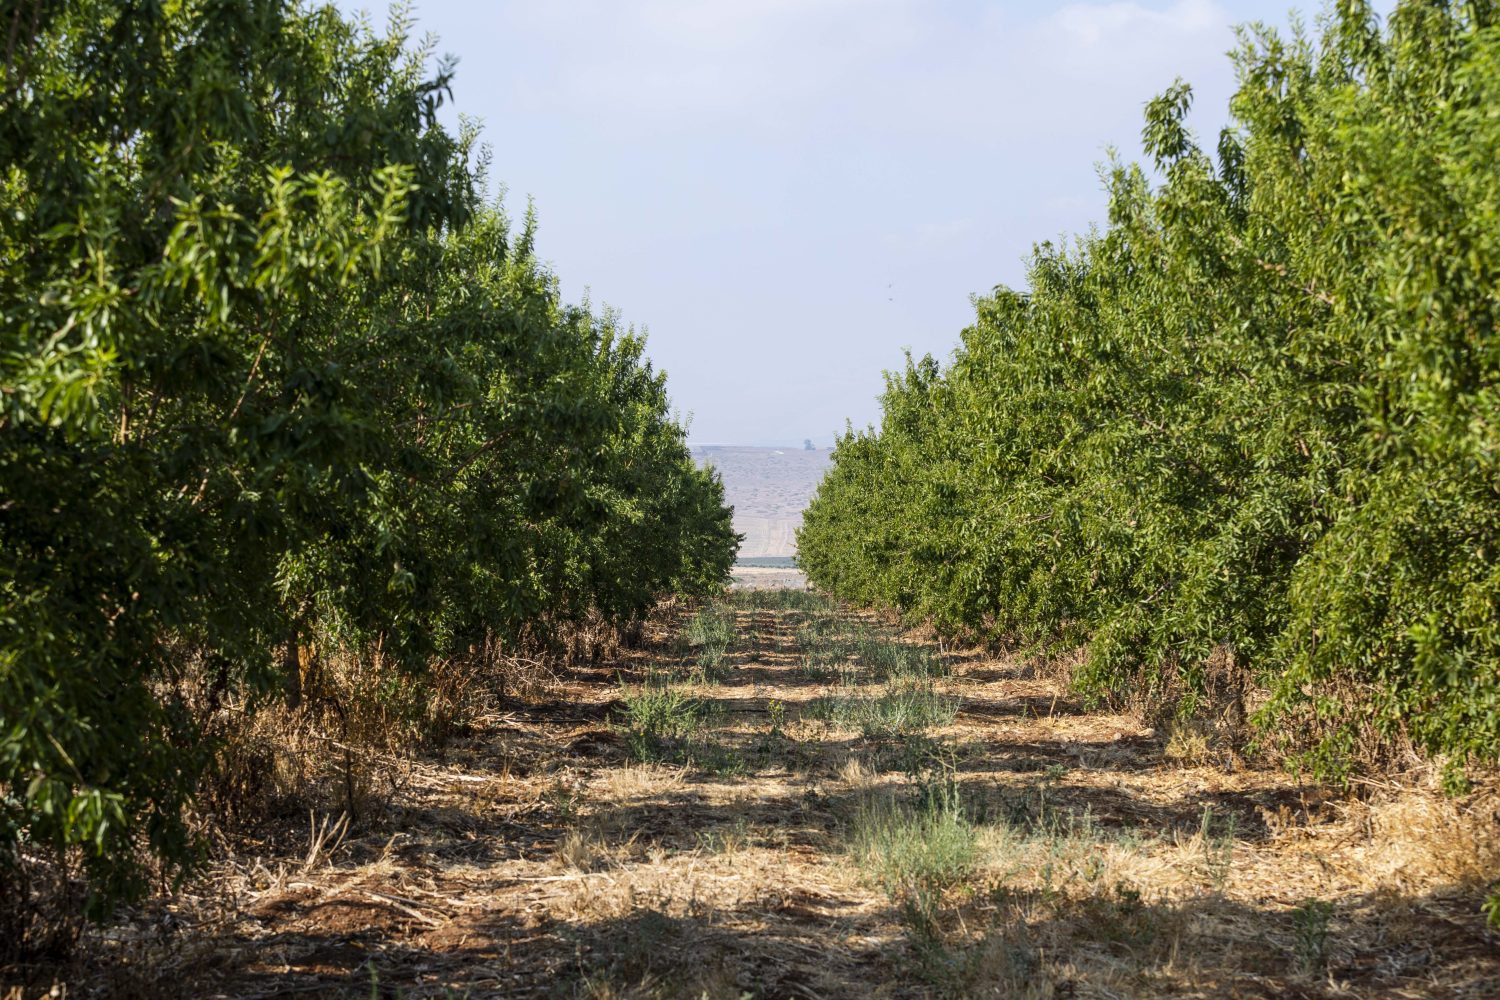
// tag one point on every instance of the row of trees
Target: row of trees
(1245, 438)
(273, 375)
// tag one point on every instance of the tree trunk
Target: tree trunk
(291, 668)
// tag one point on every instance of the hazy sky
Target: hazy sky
(788, 192)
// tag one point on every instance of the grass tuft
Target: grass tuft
(663, 725)
(915, 853)
(1310, 935)
(710, 637)
(904, 708)
(658, 717)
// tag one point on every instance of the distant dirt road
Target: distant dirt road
(768, 578)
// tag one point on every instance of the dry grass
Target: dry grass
(1020, 848)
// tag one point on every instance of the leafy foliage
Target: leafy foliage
(1247, 436)
(275, 380)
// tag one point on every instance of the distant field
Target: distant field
(768, 488)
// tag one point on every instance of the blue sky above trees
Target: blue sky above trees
(788, 192)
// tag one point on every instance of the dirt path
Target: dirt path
(784, 800)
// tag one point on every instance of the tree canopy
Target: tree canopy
(1245, 437)
(271, 367)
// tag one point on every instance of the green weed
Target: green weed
(656, 718)
(1310, 935)
(776, 710)
(916, 852)
(1218, 848)
(904, 708)
(710, 636)
(664, 725)
(887, 659)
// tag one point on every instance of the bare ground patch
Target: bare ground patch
(816, 806)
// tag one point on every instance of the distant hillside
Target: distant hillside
(768, 488)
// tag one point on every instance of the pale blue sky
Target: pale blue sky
(788, 192)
